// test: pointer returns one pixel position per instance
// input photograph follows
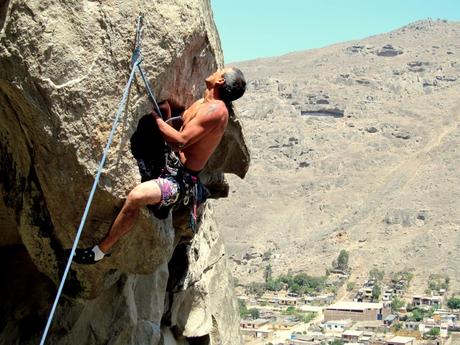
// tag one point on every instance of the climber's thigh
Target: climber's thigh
(147, 193)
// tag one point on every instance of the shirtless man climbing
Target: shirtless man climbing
(204, 123)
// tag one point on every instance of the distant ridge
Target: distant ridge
(381, 181)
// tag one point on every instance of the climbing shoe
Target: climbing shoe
(85, 256)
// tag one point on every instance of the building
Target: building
(301, 342)
(251, 328)
(337, 326)
(429, 324)
(290, 301)
(356, 311)
(253, 324)
(390, 319)
(387, 294)
(267, 314)
(311, 309)
(412, 325)
(257, 333)
(285, 324)
(319, 300)
(367, 292)
(444, 316)
(398, 286)
(401, 341)
(370, 326)
(351, 336)
(366, 338)
(287, 300)
(364, 294)
(430, 301)
(377, 342)
(304, 339)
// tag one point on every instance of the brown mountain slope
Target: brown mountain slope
(354, 146)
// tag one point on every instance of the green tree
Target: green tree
(243, 309)
(403, 275)
(396, 303)
(376, 291)
(254, 312)
(286, 278)
(453, 302)
(290, 310)
(417, 315)
(437, 282)
(268, 273)
(350, 286)
(337, 342)
(410, 307)
(306, 318)
(397, 326)
(267, 255)
(274, 285)
(309, 283)
(257, 289)
(434, 332)
(342, 260)
(299, 283)
(295, 288)
(301, 279)
(447, 281)
(376, 274)
(432, 285)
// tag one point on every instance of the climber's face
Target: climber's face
(217, 78)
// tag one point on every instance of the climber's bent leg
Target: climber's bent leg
(147, 193)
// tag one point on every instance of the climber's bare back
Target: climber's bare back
(205, 123)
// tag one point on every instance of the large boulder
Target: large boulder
(63, 68)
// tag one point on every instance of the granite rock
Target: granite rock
(63, 68)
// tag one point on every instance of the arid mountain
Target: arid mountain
(354, 146)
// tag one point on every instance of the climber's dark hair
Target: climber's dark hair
(234, 85)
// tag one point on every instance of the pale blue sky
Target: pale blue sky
(250, 29)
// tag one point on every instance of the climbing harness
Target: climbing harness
(192, 192)
(195, 203)
(136, 60)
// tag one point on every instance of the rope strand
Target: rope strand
(135, 65)
(90, 199)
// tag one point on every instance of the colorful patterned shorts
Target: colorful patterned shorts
(170, 190)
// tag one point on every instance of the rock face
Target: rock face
(353, 146)
(63, 67)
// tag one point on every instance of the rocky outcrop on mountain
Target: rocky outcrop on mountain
(63, 67)
(353, 147)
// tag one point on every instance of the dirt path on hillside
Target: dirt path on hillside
(397, 179)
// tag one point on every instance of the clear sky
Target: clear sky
(251, 29)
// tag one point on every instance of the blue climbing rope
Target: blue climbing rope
(138, 57)
(149, 90)
(135, 65)
(90, 199)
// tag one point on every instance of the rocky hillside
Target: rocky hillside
(63, 67)
(354, 146)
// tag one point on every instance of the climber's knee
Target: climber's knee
(147, 193)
